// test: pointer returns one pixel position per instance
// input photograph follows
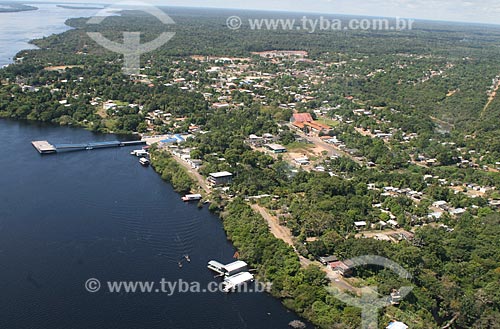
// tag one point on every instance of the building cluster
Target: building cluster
(306, 123)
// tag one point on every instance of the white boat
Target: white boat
(216, 267)
(191, 197)
(235, 268)
(229, 269)
(144, 162)
(140, 153)
(231, 283)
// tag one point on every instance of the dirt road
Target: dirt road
(277, 230)
(193, 173)
(285, 234)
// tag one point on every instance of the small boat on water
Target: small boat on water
(191, 197)
(140, 153)
(143, 161)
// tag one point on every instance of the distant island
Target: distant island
(15, 7)
(79, 7)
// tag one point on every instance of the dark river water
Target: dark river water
(69, 217)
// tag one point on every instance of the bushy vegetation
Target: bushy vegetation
(171, 171)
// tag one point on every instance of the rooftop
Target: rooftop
(239, 278)
(276, 147)
(221, 174)
(302, 117)
(235, 265)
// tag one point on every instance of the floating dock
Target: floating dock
(229, 269)
(44, 147)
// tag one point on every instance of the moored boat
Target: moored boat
(140, 153)
(191, 197)
(232, 283)
(144, 162)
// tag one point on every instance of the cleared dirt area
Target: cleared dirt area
(61, 67)
(277, 230)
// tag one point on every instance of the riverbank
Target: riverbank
(80, 7)
(171, 171)
(265, 245)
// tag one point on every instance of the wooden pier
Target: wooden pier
(44, 147)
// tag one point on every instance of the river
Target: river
(69, 217)
(17, 29)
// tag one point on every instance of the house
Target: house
(360, 225)
(440, 204)
(316, 126)
(173, 139)
(393, 223)
(396, 325)
(276, 148)
(220, 105)
(302, 161)
(303, 120)
(195, 163)
(382, 224)
(431, 162)
(299, 125)
(268, 136)
(327, 259)
(435, 215)
(344, 268)
(495, 203)
(457, 211)
(302, 117)
(109, 105)
(29, 88)
(220, 178)
(254, 139)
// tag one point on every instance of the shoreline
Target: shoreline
(16, 8)
(67, 6)
(54, 28)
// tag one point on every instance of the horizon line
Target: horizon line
(258, 10)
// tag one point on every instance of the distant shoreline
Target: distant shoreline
(79, 7)
(15, 8)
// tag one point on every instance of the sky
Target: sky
(479, 11)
